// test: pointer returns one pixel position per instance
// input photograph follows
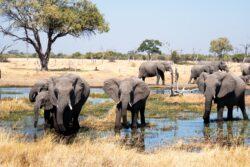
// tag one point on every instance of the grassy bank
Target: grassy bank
(107, 152)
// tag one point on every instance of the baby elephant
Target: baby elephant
(225, 90)
(43, 100)
(129, 94)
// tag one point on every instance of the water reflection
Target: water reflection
(229, 133)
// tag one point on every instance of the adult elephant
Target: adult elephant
(246, 60)
(68, 93)
(209, 67)
(225, 90)
(40, 96)
(245, 69)
(152, 69)
(129, 94)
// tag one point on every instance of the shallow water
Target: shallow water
(162, 133)
(23, 92)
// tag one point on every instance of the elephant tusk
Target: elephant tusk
(130, 104)
(70, 106)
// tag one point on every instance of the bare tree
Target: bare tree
(245, 46)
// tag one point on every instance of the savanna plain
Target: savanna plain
(97, 144)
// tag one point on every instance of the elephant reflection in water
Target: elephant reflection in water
(135, 139)
(226, 136)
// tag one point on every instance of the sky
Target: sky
(186, 25)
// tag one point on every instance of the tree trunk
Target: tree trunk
(44, 60)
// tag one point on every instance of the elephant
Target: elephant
(43, 100)
(245, 70)
(68, 93)
(39, 94)
(129, 94)
(224, 89)
(151, 69)
(209, 67)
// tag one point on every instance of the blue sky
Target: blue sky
(184, 24)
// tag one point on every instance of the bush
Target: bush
(3, 59)
(111, 59)
(175, 57)
(76, 55)
(238, 57)
(161, 57)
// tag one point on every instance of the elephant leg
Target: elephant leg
(118, 125)
(243, 110)
(134, 119)
(142, 111)
(125, 123)
(158, 78)
(47, 123)
(220, 113)
(230, 113)
(161, 73)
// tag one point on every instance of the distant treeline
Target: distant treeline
(112, 56)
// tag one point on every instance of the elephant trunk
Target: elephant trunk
(62, 106)
(37, 106)
(32, 95)
(208, 105)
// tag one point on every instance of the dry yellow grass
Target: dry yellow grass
(107, 152)
(25, 72)
(9, 106)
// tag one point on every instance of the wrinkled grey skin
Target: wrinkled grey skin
(43, 101)
(129, 94)
(39, 95)
(68, 93)
(245, 69)
(225, 90)
(39, 86)
(152, 69)
(209, 67)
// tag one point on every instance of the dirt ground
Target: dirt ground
(25, 72)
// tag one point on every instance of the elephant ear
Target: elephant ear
(81, 89)
(141, 91)
(160, 67)
(201, 82)
(111, 87)
(51, 88)
(227, 85)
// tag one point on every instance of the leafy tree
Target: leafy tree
(220, 46)
(26, 20)
(150, 46)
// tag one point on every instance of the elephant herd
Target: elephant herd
(63, 97)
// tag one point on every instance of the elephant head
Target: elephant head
(223, 66)
(40, 86)
(168, 67)
(125, 93)
(66, 92)
(214, 86)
